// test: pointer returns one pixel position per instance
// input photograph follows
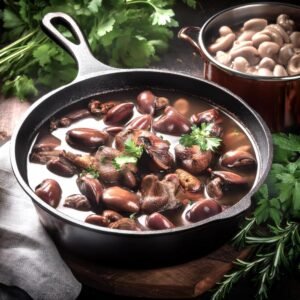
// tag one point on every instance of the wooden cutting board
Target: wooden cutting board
(11, 111)
(187, 280)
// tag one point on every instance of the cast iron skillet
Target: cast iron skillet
(121, 246)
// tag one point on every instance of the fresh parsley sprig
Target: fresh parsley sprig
(273, 231)
(202, 137)
(131, 154)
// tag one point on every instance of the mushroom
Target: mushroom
(224, 30)
(157, 221)
(148, 103)
(207, 116)
(142, 122)
(268, 49)
(121, 200)
(295, 39)
(240, 64)
(119, 114)
(230, 177)
(279, 71)
(156, 156)
(250, 53)
(125, 224)
(285, 53)
(267, 63)
(237, 158)
(97, 220)
(91, 188)
(264, 72)
(70, 118)
(214, 188)
(78, 201)
(246, 35)
(172, 122)
(223, 58)
(255, 24)
(99, 109)
(192, 159)
(203, 209)
(49, 191)
(188, 181)
(293, 67)
(86, 139)
(285, 22)
(260, 37)
(158, 195)
(61, 166)
(223, 43)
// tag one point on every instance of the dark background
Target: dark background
(181, 57)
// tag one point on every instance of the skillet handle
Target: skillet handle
(80, 50)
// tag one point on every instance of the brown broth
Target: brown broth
(37, 172)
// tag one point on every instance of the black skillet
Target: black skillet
(121, 246)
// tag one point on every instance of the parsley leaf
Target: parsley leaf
(131, 154)
(92, 171)
(121, 160)
(201, 136)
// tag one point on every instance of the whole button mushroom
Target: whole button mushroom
(260, 37)
(223, 58)
(278, 29)
(225, 30)
(248, 52)
(255, 24)
(295, 39)
(240, 64)
(264, 72)
(268, 49)
(246, 35)
(50, 191)
(285, 53)
(274, 35)
(279, 71)
(267, 63)
(223, 43)
(293, 67)
(285, 22)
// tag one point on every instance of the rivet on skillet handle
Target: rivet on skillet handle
(183, 34)
(87, 63)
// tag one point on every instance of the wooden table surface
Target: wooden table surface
(187, 280)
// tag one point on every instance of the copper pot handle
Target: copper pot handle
(183, 34)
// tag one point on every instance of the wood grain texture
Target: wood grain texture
(187, 280)
(11, 111)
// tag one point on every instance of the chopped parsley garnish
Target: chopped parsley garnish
(202, 137)
(131, 154)
(91, 171)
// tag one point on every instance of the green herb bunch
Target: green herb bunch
(273, 230)
(128, 33)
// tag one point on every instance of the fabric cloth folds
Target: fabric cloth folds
(28, 257)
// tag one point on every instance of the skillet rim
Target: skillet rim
(234, 211)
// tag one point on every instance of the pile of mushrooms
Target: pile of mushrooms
(156, 183)
(259, 48)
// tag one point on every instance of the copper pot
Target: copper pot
(276, 99)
